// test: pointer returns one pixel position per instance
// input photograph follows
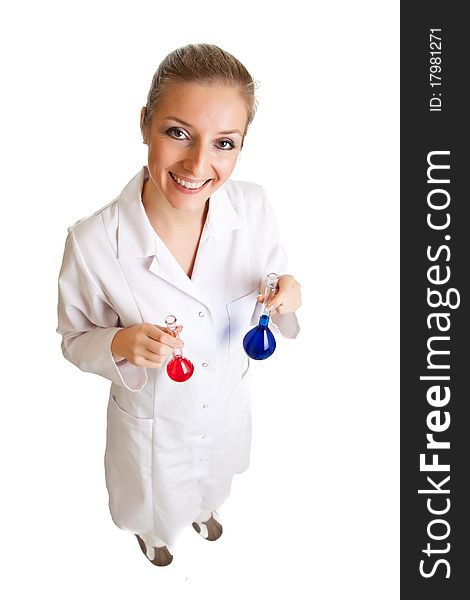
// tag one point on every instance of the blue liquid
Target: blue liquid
(259, 343)
(264, 320)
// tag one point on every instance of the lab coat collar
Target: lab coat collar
(136, 236)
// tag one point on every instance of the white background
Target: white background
(316, 515)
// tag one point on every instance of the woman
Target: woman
(181, 239)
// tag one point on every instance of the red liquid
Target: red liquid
(179, 368)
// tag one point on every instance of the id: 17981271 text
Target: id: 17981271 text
(435, 70)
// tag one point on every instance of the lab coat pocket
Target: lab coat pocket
(128, 468)
(241, 314)
(138, 404)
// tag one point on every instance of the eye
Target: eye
(175, 131)
(180, 134)
(230, 146)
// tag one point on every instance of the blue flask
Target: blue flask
(259, 343)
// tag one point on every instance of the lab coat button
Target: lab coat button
(204, 364)
(205, 405)
(203, 436)
(201, 314)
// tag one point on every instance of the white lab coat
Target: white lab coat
(172, 448)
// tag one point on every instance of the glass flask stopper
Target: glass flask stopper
(259, 343)
(179, 368)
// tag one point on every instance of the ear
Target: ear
(143, 129)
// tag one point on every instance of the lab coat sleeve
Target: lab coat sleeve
(88, 323)
(277, 262)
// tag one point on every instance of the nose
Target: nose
(196, 161)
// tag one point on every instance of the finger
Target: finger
(260, 298)
(152, 365)
(281, 298)
(149, 363)
(160, 334)
(155, 350)
(177, 330)
(158, 358)
(281, 309)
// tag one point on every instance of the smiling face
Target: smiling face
(195, 135)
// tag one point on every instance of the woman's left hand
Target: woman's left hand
(287, 298)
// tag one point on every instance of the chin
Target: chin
(188, 204)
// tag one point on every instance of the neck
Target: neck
(169, 218)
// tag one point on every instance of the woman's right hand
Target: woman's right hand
(144, 345)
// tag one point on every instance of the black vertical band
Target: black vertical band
(435, 253)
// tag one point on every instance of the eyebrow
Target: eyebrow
(189, 125)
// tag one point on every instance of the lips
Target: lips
(189, 180)
(185, 189)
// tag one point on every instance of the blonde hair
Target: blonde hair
(201, 63)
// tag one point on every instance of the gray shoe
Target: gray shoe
(160, 557)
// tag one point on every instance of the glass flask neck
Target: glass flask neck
(172, 328)
(271, 286)
(264, 320)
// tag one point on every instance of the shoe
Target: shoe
(210, 530)
(160, 557)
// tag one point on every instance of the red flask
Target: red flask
(179, 368)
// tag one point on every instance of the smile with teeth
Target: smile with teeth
(188, 184)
